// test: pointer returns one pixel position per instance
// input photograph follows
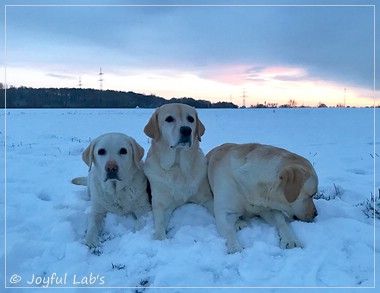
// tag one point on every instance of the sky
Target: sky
(308, 52)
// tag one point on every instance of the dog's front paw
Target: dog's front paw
(289, 243)
(94, 247)
(96, 250)
(233, 250)
(241, 224)
(160, 235)
(234, 247)
(92, 242)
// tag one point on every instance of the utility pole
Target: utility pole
(101, 79)
(344, 98)
(244, 96)
(80, 83)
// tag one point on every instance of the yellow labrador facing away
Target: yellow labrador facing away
(175, 165)
(116, 181)
(261, 180)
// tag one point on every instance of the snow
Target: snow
(46, 214)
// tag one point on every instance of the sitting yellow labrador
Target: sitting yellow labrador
(175, 165)
(116, 181)
(260, 180)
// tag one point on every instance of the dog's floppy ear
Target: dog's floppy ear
(200, 128)
(88, 155)
(292, 180)
(138, 153)
(151, 129)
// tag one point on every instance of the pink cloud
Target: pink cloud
(242, 73)
(277, 74)
(230, 74)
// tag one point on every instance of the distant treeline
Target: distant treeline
(25, 97)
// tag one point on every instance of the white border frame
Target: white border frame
(6, 281)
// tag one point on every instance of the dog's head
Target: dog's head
(299, 187)
(113, 157)
(177, 125)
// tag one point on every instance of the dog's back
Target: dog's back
(262, 169)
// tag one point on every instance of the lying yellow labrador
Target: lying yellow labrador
(116, 181)
(175, 165)
(261, 180)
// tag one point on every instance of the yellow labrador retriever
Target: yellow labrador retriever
(116, 181)
(175, 165)
(261, 180)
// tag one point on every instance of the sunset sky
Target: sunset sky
(308, 53)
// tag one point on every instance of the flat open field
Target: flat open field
(46, 214)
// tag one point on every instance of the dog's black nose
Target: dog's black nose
(185, 130)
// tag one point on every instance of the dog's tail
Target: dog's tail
(79, 181)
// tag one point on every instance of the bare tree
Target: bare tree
(292, 103)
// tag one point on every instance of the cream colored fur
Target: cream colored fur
(175, 165)
(116, 181)
(261, 180)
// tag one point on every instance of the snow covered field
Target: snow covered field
(46, 214)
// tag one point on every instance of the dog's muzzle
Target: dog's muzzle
(112, 175)
(309, 218)
(112, 170)
(185, 139)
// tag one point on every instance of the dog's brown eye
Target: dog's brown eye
(123, 151)
(169, 119)
(190, 119)
(101, 152)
